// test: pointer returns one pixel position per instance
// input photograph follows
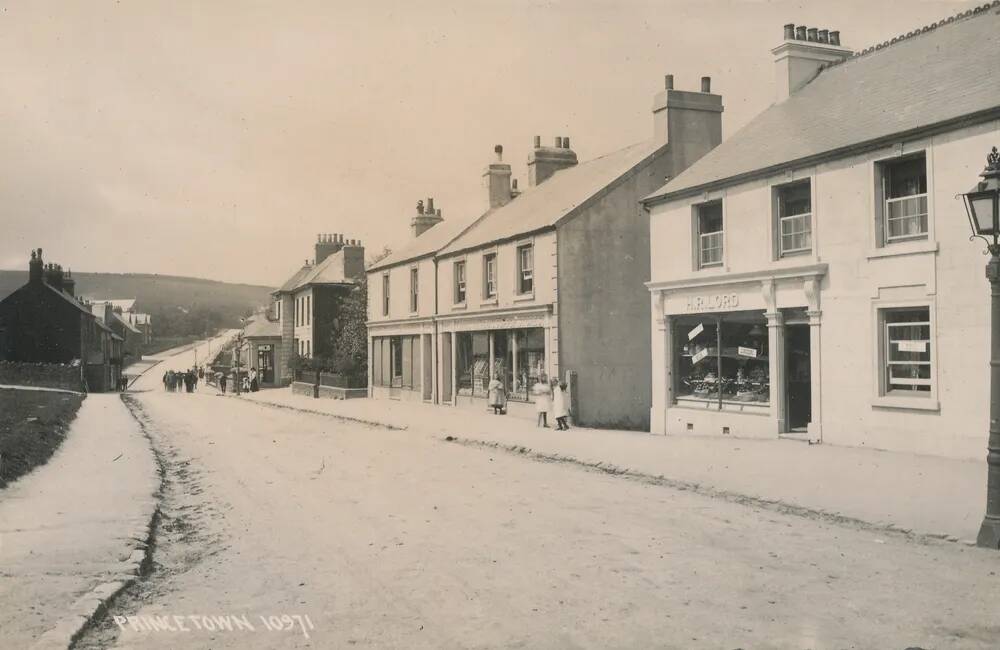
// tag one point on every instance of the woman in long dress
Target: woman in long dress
(498, 398)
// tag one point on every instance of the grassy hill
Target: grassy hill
(179, 305)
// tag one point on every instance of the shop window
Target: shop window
(489, 276)
(414, 289)
(525, 362)
(472, 363)
(459, 282)
(386, 361)
(377, 362)
(385, 294)
(708, 220)
(525, 269)
(794, 218)
(722, 358)
(906, 353)
(396, 350)
(903, 208)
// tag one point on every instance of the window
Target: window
(396, 344)
(907, 351)
(414, 289)
(525, 269)
(490, 276)
(709, 224)
(309, 317)
(794, 202)
(904, 188)
(721, 358)
(385, 294)
(459, 282)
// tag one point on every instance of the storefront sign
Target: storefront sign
(912, 346)
(746, 352)
(696, 331)
(716, 302)
(266, 347)
(698, 356)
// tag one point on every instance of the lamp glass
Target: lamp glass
(983, 211)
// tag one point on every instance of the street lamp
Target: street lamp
(983, 206)
(239, 351)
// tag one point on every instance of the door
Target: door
(265, 363)
(798, 387)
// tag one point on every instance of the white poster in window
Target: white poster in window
(696, 331)
(746, 352)
(698, 356)
(912, 346)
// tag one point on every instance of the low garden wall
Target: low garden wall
(42, 375)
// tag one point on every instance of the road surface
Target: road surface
(389, 539)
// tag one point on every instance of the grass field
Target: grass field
(32, 425)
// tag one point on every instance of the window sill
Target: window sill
(906, 403)
(904, 248)
(524, 297)
(489, 303)
(459, 306)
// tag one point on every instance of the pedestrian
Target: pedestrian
(166, 381)
(498, 397)
(559, 409)
(222, 382)
(543, 400)
(254, 385)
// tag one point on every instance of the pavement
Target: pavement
(76, 531)
(912, 494)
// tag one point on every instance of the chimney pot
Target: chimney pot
(565, 142)
(706, 84)
(515, 185)
(430, 205)
(668, 82)
(812, 34)
(498, 150)
(538, 143)
(790, 32)
(800, 33)
(558, 142)
(823, 35)
(834, 37)
(438, 214)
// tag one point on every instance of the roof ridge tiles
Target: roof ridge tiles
(963, 15)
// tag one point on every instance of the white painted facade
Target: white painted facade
(842, 291)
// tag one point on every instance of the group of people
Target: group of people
(249, 383)
(177, 381)
(550, 397)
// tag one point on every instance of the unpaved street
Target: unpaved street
(395, 539)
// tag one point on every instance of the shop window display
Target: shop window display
(722, 358)
(472, 363)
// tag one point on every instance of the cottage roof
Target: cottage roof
(128, 325)
(261, 327)
(940, 74)
(329, 271)
(544, 205)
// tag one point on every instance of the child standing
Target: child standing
(543, 400)
(498, 398)
(559, 409)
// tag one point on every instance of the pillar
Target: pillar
(659, 346)
(776, 366)
(513, 362)
(815, 378)
(454, 362)
(489, 372)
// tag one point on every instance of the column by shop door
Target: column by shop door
(799, 382)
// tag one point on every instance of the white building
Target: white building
(813, 274)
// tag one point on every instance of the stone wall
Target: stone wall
(44, 375)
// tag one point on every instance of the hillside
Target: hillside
(179, 305)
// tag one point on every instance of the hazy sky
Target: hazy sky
(216, 138)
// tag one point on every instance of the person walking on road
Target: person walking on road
(222, 382)
(543, 400)
(254, 385)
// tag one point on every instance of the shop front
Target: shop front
(738, 355)
(514, 349)
(401, 361)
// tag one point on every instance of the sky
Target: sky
(216, 139)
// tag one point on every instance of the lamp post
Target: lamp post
(239, 351)
(982, 203)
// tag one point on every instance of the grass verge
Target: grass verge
(32, 425)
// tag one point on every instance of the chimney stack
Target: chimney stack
(69, 284)
(691, 120)
(326, 245)
(804, 52)
(36, 267)
(545, 161)
(497, 180)
(668, 82)
(425, 218)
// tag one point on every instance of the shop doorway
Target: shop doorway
(799, 383)
(265, 363)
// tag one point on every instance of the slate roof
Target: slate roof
(262, 327)
(329, 271)
(934, 76)
(428, 243)
(546, 204)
